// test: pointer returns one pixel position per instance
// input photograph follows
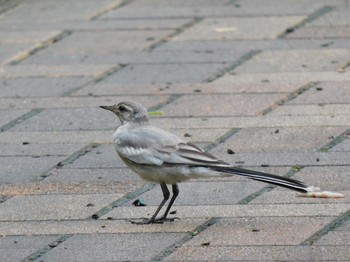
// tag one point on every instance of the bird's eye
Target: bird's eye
(122, 108)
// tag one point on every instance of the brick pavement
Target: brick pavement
(261, 84)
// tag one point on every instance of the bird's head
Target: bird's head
(129, 111)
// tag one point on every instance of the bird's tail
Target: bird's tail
(265, 177)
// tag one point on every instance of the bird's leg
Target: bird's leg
(166, 195)
(172, 200)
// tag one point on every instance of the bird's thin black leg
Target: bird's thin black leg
(175, 194)
(166, 195)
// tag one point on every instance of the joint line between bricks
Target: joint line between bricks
(20, 119)
(40, 252)
(313, 16)
(111, 8)
(289, 97)
(43, 45)
(337, 140)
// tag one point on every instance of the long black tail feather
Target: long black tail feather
(264, 177)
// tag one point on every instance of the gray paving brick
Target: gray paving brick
(321, 32)
(55, 71)
(295, 61)
(254, 253)
(325, 93)
(205, 211)
(26, 168)
(16, 248)
(337, 17)
(54, 207)
(65, 137)
(334, 238)
(142, 57)
(17, 37)
(164, 73)
(36, 87)
(233, 105)
(289, 139)
(94, 227)
(112, 247)
(247, 45)
(238, 28)
(139, 24)
(84, 43)
(319, 109)
(27, 149)
(260, 231)
(65, 10)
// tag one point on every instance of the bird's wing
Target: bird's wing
(153, 146)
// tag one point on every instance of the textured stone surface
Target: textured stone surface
(111, 247)
(16, 248)
(238, 28)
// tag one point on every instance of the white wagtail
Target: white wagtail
(161, 157)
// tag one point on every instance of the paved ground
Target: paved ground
(262, 84)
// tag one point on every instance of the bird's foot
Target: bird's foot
(147, 221)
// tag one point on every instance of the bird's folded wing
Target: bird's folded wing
(149, 151)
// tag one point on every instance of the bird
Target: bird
(161, 157)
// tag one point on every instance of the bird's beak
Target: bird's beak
(112, 108)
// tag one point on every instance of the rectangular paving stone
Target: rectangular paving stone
(238, 28)
(96, 24)
(16, 248)
(18, 37)
(65, 137)
(325, 93)
(208, 105)
(164, 73)
(84, 43)
(27, 149)
(142, 57)
(259, 253)
(319, 109)
(94, 227)
(54, 71)
(260, 231)
(248, 45)
(54, 207)
(112, 247)
(295, 61)
(321, 32)
(25, 168)
(68, 102)
(40, 87)
(65, 10)
(251, 121)
(289, 139)
(205, 211)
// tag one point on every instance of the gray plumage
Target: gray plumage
(161, 157)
